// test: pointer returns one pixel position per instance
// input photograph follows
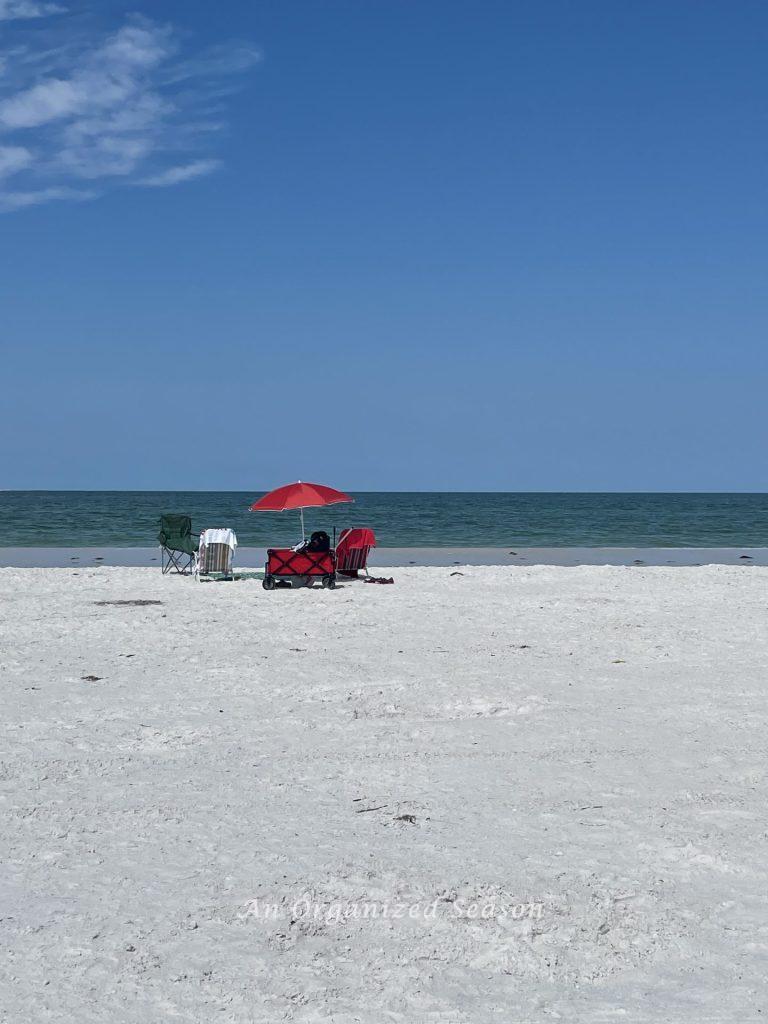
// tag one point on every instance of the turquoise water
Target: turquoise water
(400, 519)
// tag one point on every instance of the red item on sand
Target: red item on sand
(353, 549)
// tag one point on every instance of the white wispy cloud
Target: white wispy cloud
(13, 159)
(22, 9)
(184, 172)
(10, 201)
(128, 107)
(216, 63)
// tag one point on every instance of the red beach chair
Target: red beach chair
(352, 551)
(285, 563)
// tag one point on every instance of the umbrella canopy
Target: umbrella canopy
(299, 495)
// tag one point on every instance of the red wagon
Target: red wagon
(286, 564)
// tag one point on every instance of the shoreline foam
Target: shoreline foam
(254, 557)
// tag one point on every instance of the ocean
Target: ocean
(400, 519)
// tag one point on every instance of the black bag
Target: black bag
(319, 542)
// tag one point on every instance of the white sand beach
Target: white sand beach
(563, 770)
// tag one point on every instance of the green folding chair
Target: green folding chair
(178, 545)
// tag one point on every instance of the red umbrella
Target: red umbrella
(299, 495)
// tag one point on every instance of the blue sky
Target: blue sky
(384, 245)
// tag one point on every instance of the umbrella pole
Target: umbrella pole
(301, 510)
